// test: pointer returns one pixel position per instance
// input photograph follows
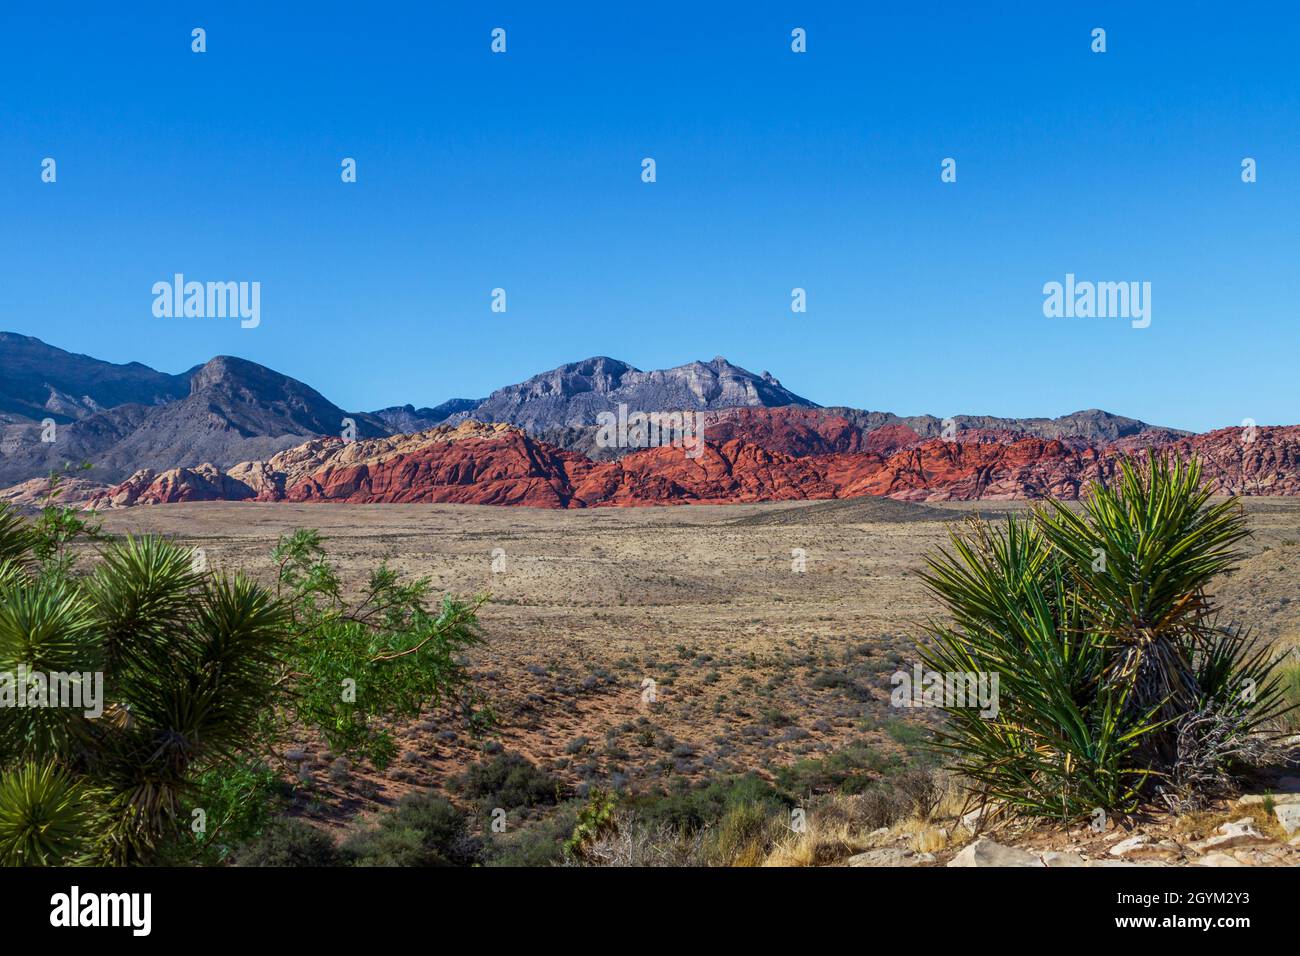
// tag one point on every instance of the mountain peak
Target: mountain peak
(573, 395)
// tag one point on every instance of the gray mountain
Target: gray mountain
(125, 417)
(235, 411)
(1092, 425)
(571, 396)
(408, 418)
(39, 381)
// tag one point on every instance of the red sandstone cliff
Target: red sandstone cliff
(756, 455)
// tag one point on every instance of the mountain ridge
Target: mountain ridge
(228, 410)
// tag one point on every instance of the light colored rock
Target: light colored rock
(1238, 833)
(890, 856)
(1217, 859)
(1124, 863)
(1258, 799)
(975, 820)
(1053, 858)
(1132, 845)
(1288, 814)
(984, 852)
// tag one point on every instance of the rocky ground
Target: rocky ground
(1258, 828)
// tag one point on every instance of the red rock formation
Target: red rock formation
(758, 455)
(147, 487)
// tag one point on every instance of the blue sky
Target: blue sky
(775, 170)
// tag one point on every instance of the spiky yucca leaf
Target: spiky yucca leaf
(46, 629)
(16, 539)
(142, 597)
(191, 707)
(46, 817)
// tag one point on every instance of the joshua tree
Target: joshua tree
(1118, 683)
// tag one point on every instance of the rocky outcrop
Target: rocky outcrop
(750, 456)
(36, 493)
(574, 394)
(205, 482)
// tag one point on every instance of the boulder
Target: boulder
(984, 852)
(890, 856)
(1241, 832)
(1288, 814)
(1130, 846)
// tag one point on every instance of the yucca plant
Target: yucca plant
(46, 817)
(1117, 683)
(185, 663)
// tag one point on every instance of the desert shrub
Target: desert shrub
(691, 810)
(633, 841)
(422, 830)
(540, 843)
(1289, 682)
(849, 770)
(289, 842)
(1118, 682)
(921, 788)
(879, 805)
(509, 781)
(911, 736)
(746, 833)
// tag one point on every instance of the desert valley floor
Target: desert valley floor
(756, 666)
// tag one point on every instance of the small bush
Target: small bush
(508, 781)
(634, 842)
(690, 811)
(537, 844)
(424, 830)
(747, 832)
(289, 842)
(847, 770)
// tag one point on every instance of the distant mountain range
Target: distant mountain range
(125, 418)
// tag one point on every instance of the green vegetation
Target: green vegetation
(423, 830)
(290, 842)
(1118, 681)
(507, 781)
(202, 676)
(1289, 681)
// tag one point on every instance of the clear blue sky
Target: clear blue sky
(775, 170)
